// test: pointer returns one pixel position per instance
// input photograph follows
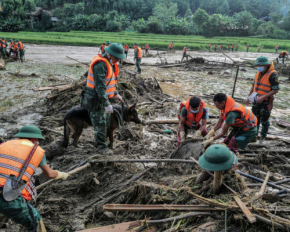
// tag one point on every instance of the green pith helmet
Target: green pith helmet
(116, 50)
(10, 40)
(125, 44)
(186, 45)
(17, 40)
(135, 44)
(3, 38)
(108, 42)
(218, 158)
(32, 132)
(262, 60)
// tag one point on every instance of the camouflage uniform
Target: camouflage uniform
(138, 61)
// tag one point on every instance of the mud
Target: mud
(77, 203)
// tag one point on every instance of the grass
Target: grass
(155, 41)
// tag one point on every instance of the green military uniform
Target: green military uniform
(138, 61)
(3, 50)
(21, 51)
(184, 53)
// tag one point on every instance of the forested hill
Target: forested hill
(264, 18)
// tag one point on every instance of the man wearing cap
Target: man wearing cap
(13, 154)
(266, 85)
(185, 53)
(235, 115)
(126, 49)
(193, 115)
(138, 57)
(3, 47)
(101, 86)
(215, 159)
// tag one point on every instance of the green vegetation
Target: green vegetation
(155, 41)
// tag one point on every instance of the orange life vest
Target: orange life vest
(126, 48)
(146, 46)
(247, 47)
(3, 43)
(221, 46)
(11, 45)
(21, 47)
(209, 45)
(111, 77)
(15, 46)
(259, 48)
(102, 48)
(170, 45)
(277, 46)
(139, 52)
(237, 46)
(192, 119)
(248, 120)
(284, 53)
(232, 46)
(185, 50)
(215, 46)
(12, 157)
(262, 85)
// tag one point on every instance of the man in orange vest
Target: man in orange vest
(229, 47)
(265, 85)
(172, 46)
(101, 86)
(185, 53)
(13, 154)
(259, 48)
(232, 47)
(248, 46)
(282, 55)
(138, 57)
(209, 47)
(3, 47)
(126, 49)
(11, 46)
(20, 49)
(169, 47)
(277, 47)
(235, 115)
(102, 48)
(193, 115)
(146, 49)
(221, 47)
(215, 47)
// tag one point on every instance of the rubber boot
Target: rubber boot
(105, 151)
(262, 139)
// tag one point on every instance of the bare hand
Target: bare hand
(260, 100)
(247, 102)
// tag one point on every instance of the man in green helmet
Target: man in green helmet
(264, 87)
(216, 158)
(3, 47)
(101, 86)
(185, 53)
(20, 49)
(13, 153)
(138, 57)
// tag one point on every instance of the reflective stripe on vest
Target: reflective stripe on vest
(262, 85)
(139, 52)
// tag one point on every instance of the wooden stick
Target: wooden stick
(270, 223)
(260, 193)
(70, 173)
(152, 99)
(235, 81)
(217, 182)
(245, 210)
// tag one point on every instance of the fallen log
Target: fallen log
(144, 161)
(270, 222)
(66, 88)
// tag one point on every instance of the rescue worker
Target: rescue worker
(229, 47)
(169, 47)
(20, 49)
(138, 57)
(248, 46)
(221, 47)
(282, 55)
(3, 47)
(237, 47)
(102, 48)
(277, 47)
(13, 154)
(15, 49)
(126, 49)
(11, 46)
(185, 53)
(193, 115)
(101, 86)
(172, 46)
(235, 115)
(215, 47)
(266, 85)
(209, 47)
(233, 47)
(215, 159)
(259, 48)
(107, 44)
(147, 49)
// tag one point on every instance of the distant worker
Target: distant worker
(221, 47)
(102, 48)
(259, 48)
(169, 47)
(13, 154)
(11, 46)
(229, 48)
(282, 55)
(147, 49)
(235, 115)
(126, 49)
(101, 86)
(107, 44)
(266, 85)
(15, 49)
(184, 54)
(233, 47)
(20, 49)
(193, 115)
(237, 47)
(248, 46)
(209, 47)
(138, 57)
(3, 47)
(277, 47)
(172, 46)
(215, 47)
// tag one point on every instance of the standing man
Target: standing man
(138, 57)
(233, 47)
(20, 49)
(169, 47)
(101, 86)
(209, 47)
(147, 49)
(13, 154)
(235, 115)
(102, 48)
(184, 53)
(11, 46)
(229, 47)
(107, 44)
(126, 49)
(3, 47)
(282, 55)
(237, 47)
(193, 115)
(277, 47)
(259, 48)
(266, 85)
(248, 46)
(221, 47)
(215, 47)
(172, 46)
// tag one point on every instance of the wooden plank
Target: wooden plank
(260, 193)
(245, 210)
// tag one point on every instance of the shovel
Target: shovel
(14, 185)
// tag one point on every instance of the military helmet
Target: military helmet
(218, 158)
(135, 44)
(108, 42)
(30, 131)
(10, 40)
(116, 50)
(186, 45)
(3, 38)
(262, 60)
(125, 44)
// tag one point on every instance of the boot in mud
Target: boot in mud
(105, 151)
(262, 140)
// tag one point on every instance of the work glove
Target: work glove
(119, 97)
(182, 136)
(61, 175)
(207, 142)
(210, 134)
(197, 134)
(109, 109)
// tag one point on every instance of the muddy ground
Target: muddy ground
(76, 204)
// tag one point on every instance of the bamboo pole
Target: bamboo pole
(217, 182)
